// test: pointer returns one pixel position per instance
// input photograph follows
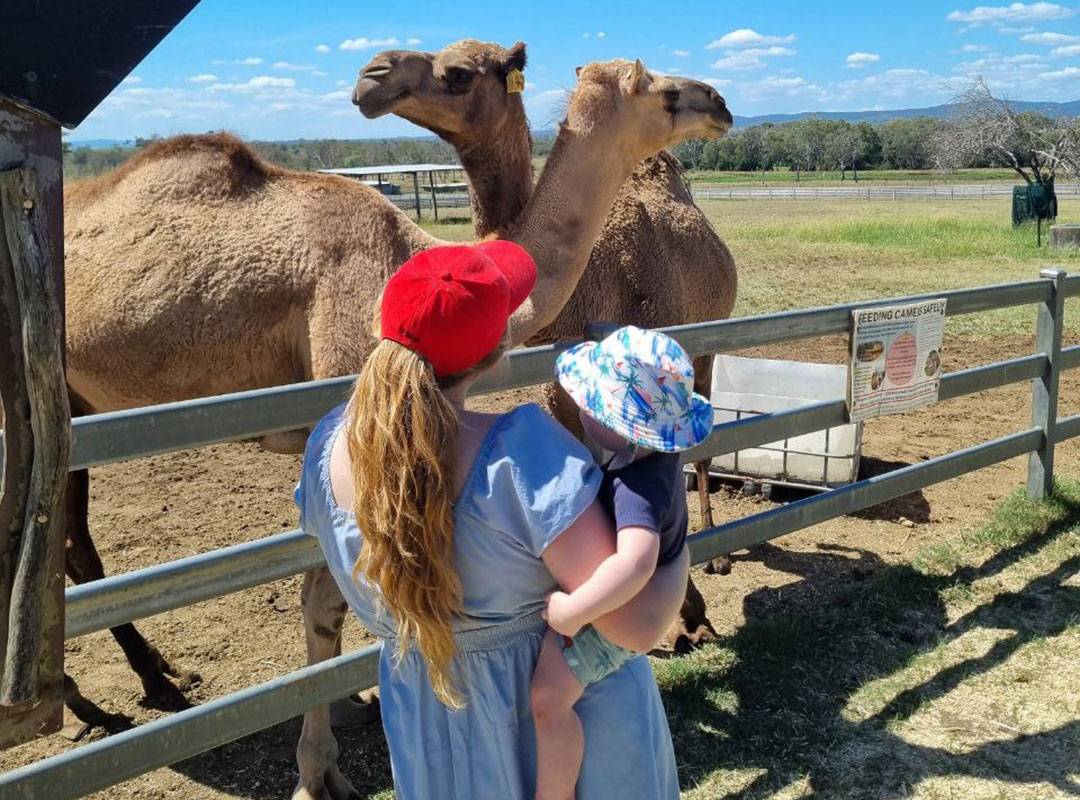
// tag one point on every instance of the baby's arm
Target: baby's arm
(617, 579)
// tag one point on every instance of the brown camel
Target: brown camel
(618, 115)
(658, 260)
(197, 269)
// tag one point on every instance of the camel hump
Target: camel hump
(209, 164)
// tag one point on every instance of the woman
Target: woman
(460, 525)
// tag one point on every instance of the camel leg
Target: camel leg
(703, 386)
(317, 751)
(83, 564)
(324, 615)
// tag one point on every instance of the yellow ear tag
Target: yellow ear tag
(515, 81)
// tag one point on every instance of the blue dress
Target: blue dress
(530, 480)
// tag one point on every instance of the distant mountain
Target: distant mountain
(1070, 109)
(99, 144)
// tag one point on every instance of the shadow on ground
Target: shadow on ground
(769, 699)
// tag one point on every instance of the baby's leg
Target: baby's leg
(560, 740)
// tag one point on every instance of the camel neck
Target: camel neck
(564, 218)
(500, 175)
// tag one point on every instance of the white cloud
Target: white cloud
(748, 37)
(973, 48)
(1050, 38)
(318, 73)
(753, 58)
(364, 43)
(1069, 73)
(322, 48)
(205, 77)
(586, 35)
(1069, 51)
(681, 53)
(858, 59)
(249, 62)
(253, 85)
(600, 35)
(131, 79)
(288, 65)
(1014, 12)
(777, 86)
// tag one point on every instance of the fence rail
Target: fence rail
(854, 192)
(139, 432)
(877, 192)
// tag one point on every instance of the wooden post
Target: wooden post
(36, 424)
(434, 202)
(416, 193)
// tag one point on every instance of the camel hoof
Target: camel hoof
(333, 786)
(687, 642)
(718, 566)
(187, 681)
(162, 694)
(353, 712)
(75, 729)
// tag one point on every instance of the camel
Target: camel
(658, 260)
(197, 269)
(618, 115)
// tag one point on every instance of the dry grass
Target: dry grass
(955, 677)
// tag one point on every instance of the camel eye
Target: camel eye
(459, 78)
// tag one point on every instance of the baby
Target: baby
(635, 392)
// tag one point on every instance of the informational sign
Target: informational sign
(895, 358)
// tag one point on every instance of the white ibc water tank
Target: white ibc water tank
(746, 387)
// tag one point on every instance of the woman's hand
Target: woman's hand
(560, 615)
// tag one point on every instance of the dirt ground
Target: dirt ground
(168, 507)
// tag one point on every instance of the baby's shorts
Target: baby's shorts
(591, 657)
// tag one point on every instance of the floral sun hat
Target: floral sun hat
(640, 384)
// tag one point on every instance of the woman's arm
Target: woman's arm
(579, 550)
(614, 583)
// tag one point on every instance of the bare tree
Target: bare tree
(988, 127)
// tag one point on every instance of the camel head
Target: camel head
(656, 110)
(458, 93)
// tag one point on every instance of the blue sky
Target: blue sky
(269, 69)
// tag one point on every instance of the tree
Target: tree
(905, 143)
(1035, 146)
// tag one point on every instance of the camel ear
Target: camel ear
(636, 78)
(577, 71)
(516, 58)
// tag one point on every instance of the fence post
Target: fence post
(1044, 396)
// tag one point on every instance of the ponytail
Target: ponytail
(402, 439)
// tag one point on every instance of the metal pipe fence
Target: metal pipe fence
(875, 192)
(128, 434)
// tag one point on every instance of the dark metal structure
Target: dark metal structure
(60, 60)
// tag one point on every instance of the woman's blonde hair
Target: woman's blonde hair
(402, 437)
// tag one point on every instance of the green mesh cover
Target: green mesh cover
(1032, 202)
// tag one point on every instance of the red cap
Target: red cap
(451, 304)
